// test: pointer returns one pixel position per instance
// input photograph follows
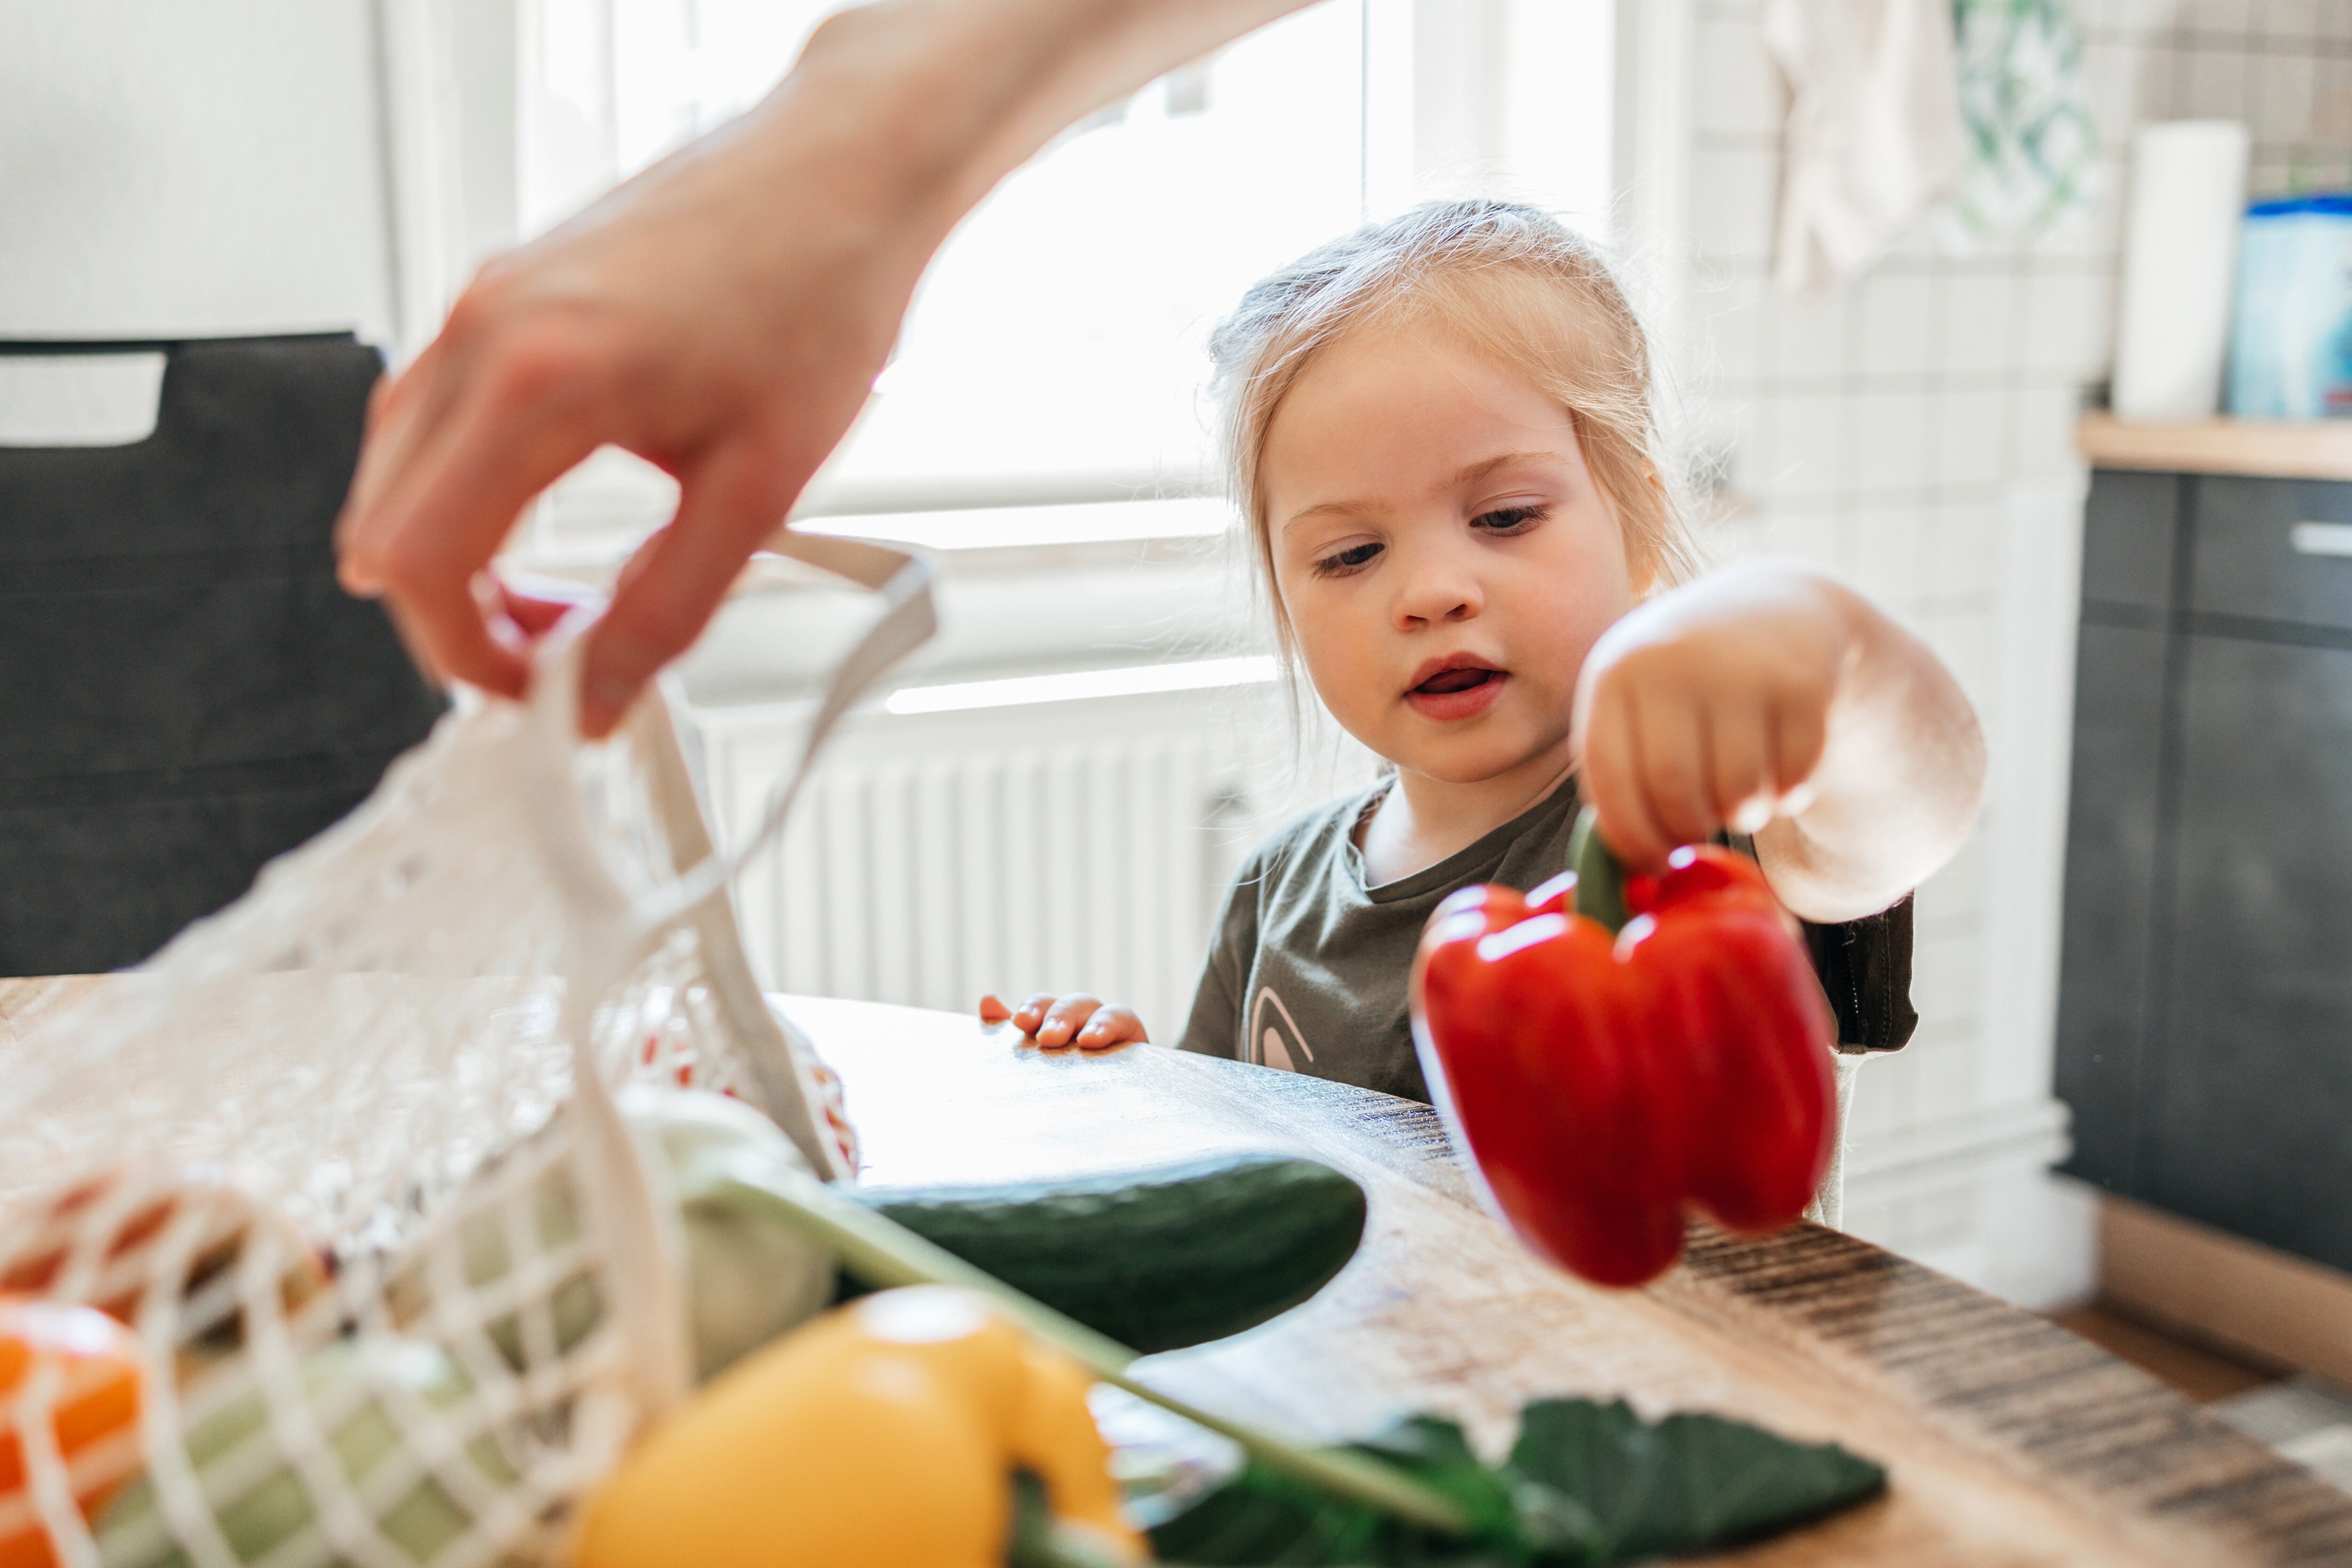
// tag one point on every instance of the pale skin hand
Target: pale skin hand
(1771, 701)
(722, 315)
(1077, 1019)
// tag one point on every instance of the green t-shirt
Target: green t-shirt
(1308, 969)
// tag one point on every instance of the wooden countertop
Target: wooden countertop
(2285, 450)
(2010, 1441)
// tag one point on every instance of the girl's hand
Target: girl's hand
(1077, 1019)
(1773, 701)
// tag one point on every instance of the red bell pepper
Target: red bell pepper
(1604, 1081)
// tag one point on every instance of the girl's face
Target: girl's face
(1445, 557)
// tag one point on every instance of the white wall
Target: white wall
(171, 168)
(1912, 434)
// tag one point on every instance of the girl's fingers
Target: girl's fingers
(1671, 732)
(1800, 733)
(1113, 1025)
(1612, 775)
(1739, 750)
(993, 1010)
(1031, 1012)
(1065, 1018)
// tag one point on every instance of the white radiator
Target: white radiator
(1050, 847)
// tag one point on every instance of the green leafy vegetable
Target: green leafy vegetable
(1586, 1484)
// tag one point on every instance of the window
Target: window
(1055, 350)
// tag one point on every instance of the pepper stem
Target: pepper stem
(880, 1251)
(1600, 879)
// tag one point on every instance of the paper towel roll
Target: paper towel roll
(2180, 246)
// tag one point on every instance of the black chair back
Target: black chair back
(184, 690)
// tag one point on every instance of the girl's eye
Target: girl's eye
(1509, 519)
(1354, 558)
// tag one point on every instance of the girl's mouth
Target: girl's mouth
(1458, 691)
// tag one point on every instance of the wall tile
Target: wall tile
(1970, 435)
(1891, 451)
(1898, 326)
(2295, 22)
(2115, 72)
(1809, 437)
(1729, 316)
(2068, 323)
(2218, 17)
(2139, 18)
(1809, 336)
(2216, 86)
(1977, 312)
(2282, 98)
(1732, 191)
(1889, 548)
(1737, 88)
(1814, 539)
(1963, 553)
(2041, 430)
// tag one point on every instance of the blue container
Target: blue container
(2291, 342)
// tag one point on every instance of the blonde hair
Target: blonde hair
(1512, 284)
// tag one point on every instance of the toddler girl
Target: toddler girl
(1440, 438)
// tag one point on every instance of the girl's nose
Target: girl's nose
(1438, 588)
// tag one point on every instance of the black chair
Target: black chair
(184, 692)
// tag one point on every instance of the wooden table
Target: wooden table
(2010, 1441)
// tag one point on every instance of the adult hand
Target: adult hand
(722, 315)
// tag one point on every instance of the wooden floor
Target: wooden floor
(2201, 1373)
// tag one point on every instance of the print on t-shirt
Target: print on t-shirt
(1268, 1046)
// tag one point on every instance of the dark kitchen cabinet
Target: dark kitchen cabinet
(2205, 999)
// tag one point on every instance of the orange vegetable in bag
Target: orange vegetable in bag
(90, 1408)
(884, 1434)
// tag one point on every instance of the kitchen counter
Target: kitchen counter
(2283, 449)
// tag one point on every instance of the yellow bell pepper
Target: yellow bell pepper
(884, 1434)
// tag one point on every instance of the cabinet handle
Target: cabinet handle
(2322, 538)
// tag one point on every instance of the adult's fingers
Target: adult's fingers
(404, 411)
(729, 502)
(437, 525)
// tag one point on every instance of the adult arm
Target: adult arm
(722, 315)
(1775, 701)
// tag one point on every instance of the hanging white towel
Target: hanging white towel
(1874, 131)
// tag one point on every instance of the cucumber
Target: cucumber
(1156, 1260)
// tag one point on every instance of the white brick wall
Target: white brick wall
(1887, 433)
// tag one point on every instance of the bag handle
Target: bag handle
(908, 619)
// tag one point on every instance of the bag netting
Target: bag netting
(346, 1159)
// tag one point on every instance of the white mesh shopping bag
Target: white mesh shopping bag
(346, 1158)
